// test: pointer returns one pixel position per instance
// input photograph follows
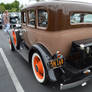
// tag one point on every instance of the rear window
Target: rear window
(81, 18)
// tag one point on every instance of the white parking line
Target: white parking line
(11, 72)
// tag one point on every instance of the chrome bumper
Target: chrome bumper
(74, 84)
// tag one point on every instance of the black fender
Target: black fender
(46, 56)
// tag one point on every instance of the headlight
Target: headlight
(16, 30)
(18, 25)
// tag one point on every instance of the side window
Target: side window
(88, 18)
(24, 17)
(32, 17)
(83, 18)
(75, 18)
(42, 18)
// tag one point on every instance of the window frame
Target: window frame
(38, 27)
(78, 23)
(24, 23)
(29, 25)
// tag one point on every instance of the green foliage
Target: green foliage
(11, 7)
(13, 10)
(37, 0)
(2, 8)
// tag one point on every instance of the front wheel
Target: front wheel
(11, 45)
(39, 69)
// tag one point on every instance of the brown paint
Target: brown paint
(59, 34)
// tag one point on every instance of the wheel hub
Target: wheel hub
(36, 67)
(39, 68)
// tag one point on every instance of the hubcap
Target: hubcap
(36, 67)
(39, 69)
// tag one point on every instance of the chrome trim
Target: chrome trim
(74, 84)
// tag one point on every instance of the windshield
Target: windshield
(77, 18)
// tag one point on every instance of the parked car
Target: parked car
(0, 21)
(56, 39)
(15, 20)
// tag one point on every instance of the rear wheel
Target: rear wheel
(39, 69)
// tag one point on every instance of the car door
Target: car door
(36, 25)
(28, 26)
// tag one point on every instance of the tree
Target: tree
(37, 0)
(11, 7)
(13, 10)
(8, 6)
(15, 4)
(2, 8)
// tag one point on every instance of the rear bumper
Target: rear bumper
(74, 84)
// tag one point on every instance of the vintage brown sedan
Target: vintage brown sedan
(56, 39)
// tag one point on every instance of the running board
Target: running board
(24, 53)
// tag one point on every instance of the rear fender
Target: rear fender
(46, 56)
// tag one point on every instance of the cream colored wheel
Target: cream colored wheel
(38, 68)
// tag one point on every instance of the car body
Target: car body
(15, 20)
(56, 38)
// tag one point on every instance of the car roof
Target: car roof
(61, 4)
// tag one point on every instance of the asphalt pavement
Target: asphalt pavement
(24, 73)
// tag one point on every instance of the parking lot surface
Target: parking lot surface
(21, 71)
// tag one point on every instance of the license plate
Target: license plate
(56, 63)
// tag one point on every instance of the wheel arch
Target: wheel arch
(46, 55)
(38, 46)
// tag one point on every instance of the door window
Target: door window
(42, 18)
(24, 17)
(32, 17)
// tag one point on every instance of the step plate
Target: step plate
(24, 54)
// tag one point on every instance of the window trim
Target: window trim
(38, 27)
(29, 25)
(78, 23)
(24, 23)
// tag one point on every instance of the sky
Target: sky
(26, 2)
